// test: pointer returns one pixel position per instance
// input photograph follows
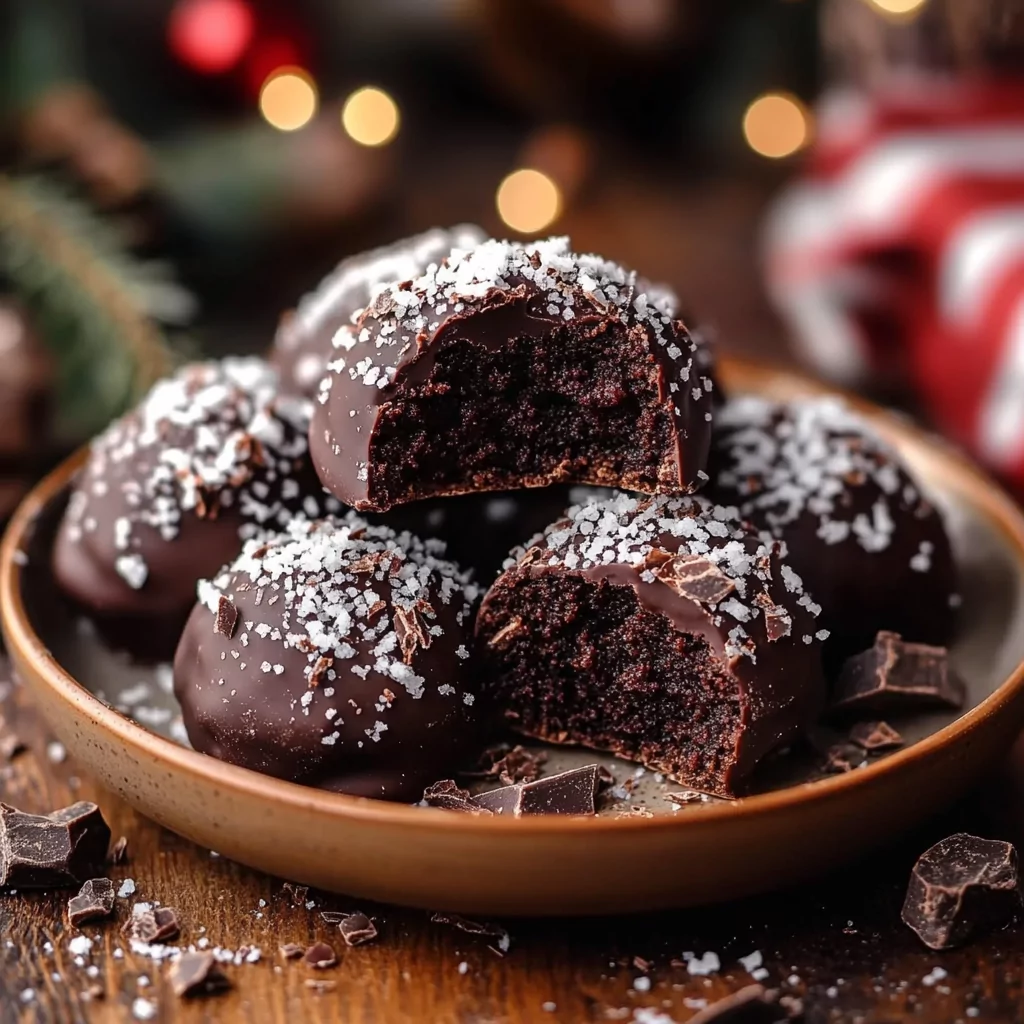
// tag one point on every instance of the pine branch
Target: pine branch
(96, 306)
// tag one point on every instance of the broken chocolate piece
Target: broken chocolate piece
(753, 1004)
(152, 926)
(197, 974)
(873, 736)
(298, 893)
(356, 929)
(226, 618)
(895, 674)
(52, 851)
(843, 757)
(693, 577)
(320, 956)
(118, 852)
(448, 795)
(686, 796)
(961, 885)
(570, 792)
(94, 900)
(334, 916)
(291, 950)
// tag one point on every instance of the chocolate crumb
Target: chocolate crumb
(152, 926)
(95, 900)
(11, 745)
(94, 993)
(842, 757)
(471, 927)
(641, 964)
(320, 986)
(197, 974)
(118, 852)
(752, 1004)
(875, 736)
(961, 885)
(291, 950)
(357, 929)
(321, 956)
(685, 796)
(448, 795)
(52, 851)
(227, 617)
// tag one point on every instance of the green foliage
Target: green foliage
(98, 308)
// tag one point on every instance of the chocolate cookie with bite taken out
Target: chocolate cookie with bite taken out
(663, 630)
(334, 655)
(512, 365)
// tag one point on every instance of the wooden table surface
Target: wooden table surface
(837, 944)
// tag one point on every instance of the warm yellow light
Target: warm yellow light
(528, 200)
(898, 7)
(288, 99)
(370, 116)
(776, 125)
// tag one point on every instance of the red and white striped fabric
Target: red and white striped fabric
(903, 246)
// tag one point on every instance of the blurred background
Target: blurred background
(176, 173)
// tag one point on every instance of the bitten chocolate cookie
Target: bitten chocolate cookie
(867, 544)
(171, 490)
(334, 655)
(512, 365)
(660, 629)
(302, 345)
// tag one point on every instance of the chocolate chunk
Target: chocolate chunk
(895, 674)
(693, 577)
(118, 852)
(356, 929)
(570, 792)
(471, 927)
(961, 885)
(291, 950)
(842, 757)
(52, 851)
(197, 974)
(752, 1004)
(450, 796)
(298, 893)
(875, 736)
(157, 925)
(320, 956)
(94, 900)
(226, 618)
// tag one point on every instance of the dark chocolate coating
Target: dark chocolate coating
(333, 655)
(870, 548)
(172, 489)
(661, 630)
(512, 366)
(302, 345)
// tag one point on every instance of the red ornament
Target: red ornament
(210, 36)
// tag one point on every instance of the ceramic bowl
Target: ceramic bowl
(615, 862)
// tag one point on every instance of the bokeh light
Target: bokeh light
(210, 36)
(776, 125)
(528, 200)
(288, 99)
(899, 8)
(370, 116)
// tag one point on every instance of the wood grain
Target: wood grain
(837, 944)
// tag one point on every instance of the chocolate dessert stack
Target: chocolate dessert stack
(521, 506)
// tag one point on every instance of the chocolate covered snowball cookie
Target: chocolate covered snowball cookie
(512, 365)
(302, 345)
(334, 655)
(866, 542)
(171, 490)
(659, 629)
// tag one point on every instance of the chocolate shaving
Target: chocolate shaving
(335, 916)
(197, 974)
(227, 617)
(875, 736)
(95, 900)
(118, 852)
(412, 632)
(513, 628)
(151, 926)
(691, 576)
(959, 886)
(895, 674)
(319, 985)
(753, 1004)
(52, 851)
(448, 795)
(778, 623)
(291, 950)
(321, 956)
(509, 765)
(319, 670)
(357, 929)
